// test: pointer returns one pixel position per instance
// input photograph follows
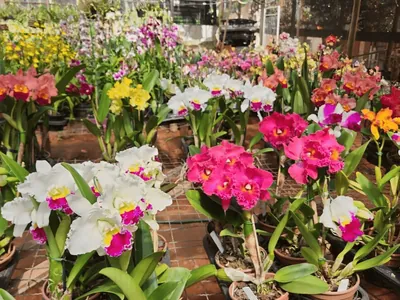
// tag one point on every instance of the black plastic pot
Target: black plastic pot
(57, 122)
(82, 110)
(5, 275)
(371, 154)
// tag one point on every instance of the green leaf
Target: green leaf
(313, 128)
(62, 232)
(168, 187)
(124, 260)
(309, 285)
(258, 137)
(161, 268)
(305, 93)
(311, 241)
(76, 270)
(92, 128)
(347, 139)
(341, 183)
(143, 248)
(353, 159)
(388, 176)
(180, 275)
(104, 104)
(128, 286)
(362, 101)
(235, 129)
(299, 106)
(3, 225)
(277, 234)
(10, 121)
(93, 272)
(379, 221)
(309, 255)
(376, 261)
(81, 183)
(270, 68)
(370, 189)
(146, 267)
(280, 63)
(63, 82)
(164, 291)
(4, 295)
(150, 79)
(151, 123)
(200, 274)
(193, 150)
(14, 167)
(228, 232)
(108, 287)
(294, 272)
(265, 150)
(369, 247)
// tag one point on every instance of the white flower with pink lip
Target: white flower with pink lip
(196, 98)
(216, 83)
(53, 185)
(98, 229)
(141, 162)
(257, 98)
(21, 213)
(178, 105)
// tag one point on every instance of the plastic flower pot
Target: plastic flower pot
(344, 295)
(82, 110)
(7, 257)
(163, 246)
(46, 296)
(57, 122)
(287, 260)
(247, 271)
(234, 286)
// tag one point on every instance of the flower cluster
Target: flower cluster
(313, 152)
(138, 97)
(38, 49)
(28, 87)
(278, 129)
(81, 86)
(228, 172)
(124, 195)
(272, 81)
(258, 98)
(359, 82)
(287, 45)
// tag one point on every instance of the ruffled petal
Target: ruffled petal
(83, 236)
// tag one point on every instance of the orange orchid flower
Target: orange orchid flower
(381, 120)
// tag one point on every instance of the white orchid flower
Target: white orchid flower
(234, 86)
(178, 104)
(21, 213)
(339, 214)
(258, 98)
(51, 185)
(141, 162)
(216, 83)
(167, 85)
(101, 230)
(196, 98)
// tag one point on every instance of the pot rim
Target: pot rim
(233, 285)
(280, 254)
(164, 240)
(348, 291)
(8, 256)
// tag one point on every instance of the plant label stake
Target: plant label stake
(343, 285)
(217, 242)
(249, 293)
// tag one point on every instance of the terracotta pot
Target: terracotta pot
(248, 271)
(345, 295)
(162, 243)
(287, 260)
(7, 257)
(45, 293)
(233, 287)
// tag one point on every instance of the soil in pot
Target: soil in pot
(7, 257)
(275, 293)
(344, 295)
(287, 256)
(46, 296)
(234, 259)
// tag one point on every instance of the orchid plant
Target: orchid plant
(104, 204)
(231, 199)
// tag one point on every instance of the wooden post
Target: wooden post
(293, 18)
(353, 26)
(394, 30)
(262, 24)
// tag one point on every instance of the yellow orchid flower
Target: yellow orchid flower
(381, 120)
